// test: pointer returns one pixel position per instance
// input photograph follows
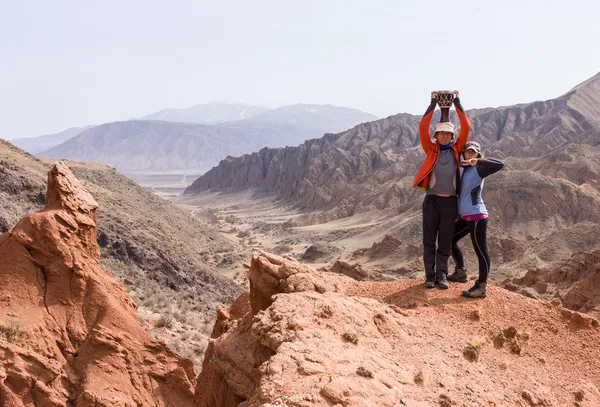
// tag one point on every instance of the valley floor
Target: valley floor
(366, 238)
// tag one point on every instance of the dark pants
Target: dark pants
(478, 231)
(439, 214)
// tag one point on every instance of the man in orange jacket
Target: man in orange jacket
(439, 178)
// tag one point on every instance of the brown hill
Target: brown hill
(69, 334)
(163, 255)
(308, 338)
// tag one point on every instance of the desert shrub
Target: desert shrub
(243, 233)
(165, 321)
(231, 219)
(282, 248)
(181, 316)
(12, 331)
(176, 344)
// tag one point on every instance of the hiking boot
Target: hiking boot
(442, 282)
(477, 291)
(429, 283)
(459, 275)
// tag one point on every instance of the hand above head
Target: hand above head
(469, 163)
(434, 95)
(456, 94)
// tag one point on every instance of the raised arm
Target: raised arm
(424, 134)
(465, 124)
(488, 166)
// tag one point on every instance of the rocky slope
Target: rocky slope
(308, 338)
(165, 256)
(70, 334)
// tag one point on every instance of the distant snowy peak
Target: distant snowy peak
(209, 113)
(328, 118)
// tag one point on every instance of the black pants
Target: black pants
(439, 215)
(478, 231)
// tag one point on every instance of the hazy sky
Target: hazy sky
(72, 63)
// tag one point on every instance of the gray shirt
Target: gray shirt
(443, 177)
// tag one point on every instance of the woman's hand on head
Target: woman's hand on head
(456, 94)
(472, 162)
(434, 95)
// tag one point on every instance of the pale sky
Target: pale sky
(73, 63)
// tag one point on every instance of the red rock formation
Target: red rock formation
(350, 343)
(230, 371)
(76, 337)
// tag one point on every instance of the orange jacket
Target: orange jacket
(432, 149)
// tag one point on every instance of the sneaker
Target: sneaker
(477, 291)
(429, 283)
(442, 282)
(459, 275)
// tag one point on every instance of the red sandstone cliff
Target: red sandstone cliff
(69, 334)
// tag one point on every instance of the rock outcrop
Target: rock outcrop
(165, 262)
(575, 283)
(71, 335)
(307, 338)
(320, 252)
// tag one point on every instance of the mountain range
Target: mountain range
(543, 205)
(199, 137)
(35, 145)
(382, 155)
